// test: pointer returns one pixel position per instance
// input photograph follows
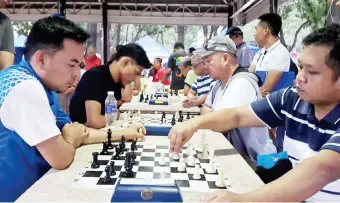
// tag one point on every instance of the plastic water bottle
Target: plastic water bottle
(110, 109)
(268, 148)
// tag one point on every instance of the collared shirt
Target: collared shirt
(275, 57)
(95, 61)
(304, 135)
(203, 85)
(244, 55)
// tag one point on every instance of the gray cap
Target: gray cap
(185, 61)
(220, 43)
(196, 57)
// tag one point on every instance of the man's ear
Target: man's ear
(125, 61)
(39, 58)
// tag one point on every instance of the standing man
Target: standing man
(273, 57)
(244, 54)
(87, 105)
(177, 81)
(91, 59)
(7, 49)
(158, 72)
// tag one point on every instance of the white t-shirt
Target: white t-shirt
(275, 57)
(26, 110)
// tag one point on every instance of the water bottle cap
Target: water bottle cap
(110, 93)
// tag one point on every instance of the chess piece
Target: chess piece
(141, 98)
(123, 143)
(201, 149)
(133, 158)
(175, 156)
(95, 160)
(112, 168)
(220, 180)
(173, 121)
(181, 166)
(188, 116)
(210, 168)
(107, 177)
(116, 156)
(191, 160)
(109, 139)
(162, 161)
(121, 150)
(134, 145)
(197, 174)
(128, 166)
(104, 150)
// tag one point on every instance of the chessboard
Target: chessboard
(192, 170)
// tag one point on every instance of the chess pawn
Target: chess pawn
(220, 180)
(210, 168)
(162, 161)
(191, 161)
(181, 167)
(107, 177)
(197, 174)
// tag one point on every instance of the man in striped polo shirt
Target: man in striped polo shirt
(203, 83)
(310, 114)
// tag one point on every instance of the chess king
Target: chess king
(35, 134)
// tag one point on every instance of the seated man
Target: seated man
(202, 85)
(310, 115)
(88, 102)
(189, 81)
(35, 134)
(158, 72)
(235, 87)
(185, 67)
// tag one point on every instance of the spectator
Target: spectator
(7, 49)
(191, 51)
(244, 54)
(91, 59)
(158, 72)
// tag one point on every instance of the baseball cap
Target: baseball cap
(234, 31)
(220, 43)
(196, 57)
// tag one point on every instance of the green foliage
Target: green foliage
(22, 28)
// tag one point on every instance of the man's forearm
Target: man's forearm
(99, 136)
(271, 80)
(97, 123)
(205, 110)
(297, 185)
(201, 100)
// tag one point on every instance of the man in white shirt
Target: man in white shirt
(273, 57)
(235, 87)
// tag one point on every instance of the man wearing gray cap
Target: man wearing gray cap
(235, 87)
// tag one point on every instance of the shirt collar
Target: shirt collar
(273, 46)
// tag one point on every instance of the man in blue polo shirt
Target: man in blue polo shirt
(310, 114)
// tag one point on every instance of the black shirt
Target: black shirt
(94, 85)
(177, 83)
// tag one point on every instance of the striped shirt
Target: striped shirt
(203, 85)
(304, 136)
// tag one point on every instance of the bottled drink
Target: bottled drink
(268, 148)
(110, 109)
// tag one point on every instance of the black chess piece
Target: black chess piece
(95, 160)
(109, 139)
(133, 158)
(116, 156)
(133, 146)
(121, 150)
(107, 177)
(176, 93)
(128, 166)
(173, 120)
(112, 168)
(188, 116)
(122, 140)
(104, 151)
(180, 119)
(141, 98)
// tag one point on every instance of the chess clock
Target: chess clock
(142, 190)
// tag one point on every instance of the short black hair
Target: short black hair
(49, 34)
(235, 31)
(118, 47)
(179, 45)
(135, 52)
(273, 21)
(159, 60)
(192, 49)
(328, 36)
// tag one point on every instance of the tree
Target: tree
(22, 28)
(209, 32)
(311, 13)
(333, 15)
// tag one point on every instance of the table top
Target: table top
(55, 185)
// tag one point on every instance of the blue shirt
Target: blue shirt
(304, 136)
(203, 85)
(21, 165)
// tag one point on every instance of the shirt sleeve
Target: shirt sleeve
(281, 62)
(92, 84)
(7, 43)
(61, 117)
(333, 143)
(268, 110)
(209, 99)
(190, 79)
(26, 110)
(194, 86)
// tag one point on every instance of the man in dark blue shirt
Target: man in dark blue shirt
(310, 115)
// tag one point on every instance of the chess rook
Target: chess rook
(220, 180)
(104, 150)
(95, 160)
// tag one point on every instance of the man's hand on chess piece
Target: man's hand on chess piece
(75, 134)
(189, 103)
(180, 134)
(135, 131)
(224, 196)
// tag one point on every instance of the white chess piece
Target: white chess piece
(197, 174)
(211, 168)
(191, 160)
(175, 156)
(220, 180)
(202, 146)
(181, 166)
(162, 160)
